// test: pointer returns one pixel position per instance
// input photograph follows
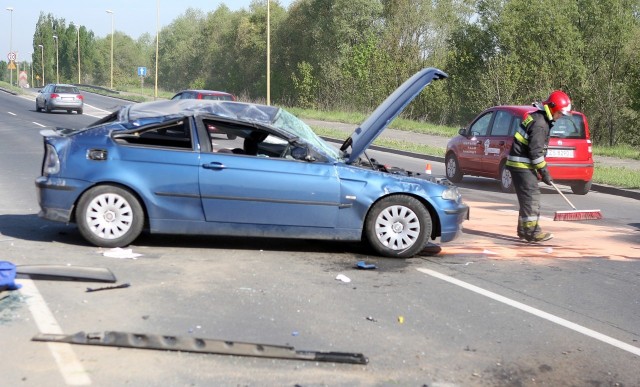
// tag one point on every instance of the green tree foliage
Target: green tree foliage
(350, 54)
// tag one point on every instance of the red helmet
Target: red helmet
(558, 101)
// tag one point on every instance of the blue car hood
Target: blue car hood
(370, 129)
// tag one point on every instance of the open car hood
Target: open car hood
(371, 128)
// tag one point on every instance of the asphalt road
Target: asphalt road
(486, 310)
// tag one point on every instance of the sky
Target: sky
(133, 17)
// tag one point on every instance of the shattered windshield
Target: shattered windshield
(292, 124)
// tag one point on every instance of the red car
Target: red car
(482, 148)
(205, 94)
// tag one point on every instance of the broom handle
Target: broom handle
(564, 197)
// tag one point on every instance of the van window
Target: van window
(501, 124)
(571, 126)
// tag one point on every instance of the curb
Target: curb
(606, 189)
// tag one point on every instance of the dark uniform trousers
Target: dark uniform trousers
(526, 185)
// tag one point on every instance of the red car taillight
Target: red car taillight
(54, 95)
(79, 96)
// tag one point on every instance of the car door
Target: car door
(268, 191)
(40, 96)
(498, 143)
(472, 149)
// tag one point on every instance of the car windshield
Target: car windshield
(571, 126)
(292, 124)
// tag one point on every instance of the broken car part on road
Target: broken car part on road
(191, 344)
(63, 272)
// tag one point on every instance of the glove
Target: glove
(545, 175)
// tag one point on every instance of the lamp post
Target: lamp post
(268, 53)
(79, 55)
(55, 37)
(111, 12)
(155, 89)
(10, 9)
(31, 65)
(42, 61)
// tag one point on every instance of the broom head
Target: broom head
(578, 215)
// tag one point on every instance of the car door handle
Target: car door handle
(501, 143)
(215, 166)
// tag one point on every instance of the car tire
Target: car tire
(398, 226)
(581, 187)
(109, 216)
(79, 111)
(38, 108)
(69, 111)
(47, 108)
(452, 168)
(231, 136)
(506, 180)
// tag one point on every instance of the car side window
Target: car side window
(175, 135)
(515, 124)
(481, 126)
(501, 124)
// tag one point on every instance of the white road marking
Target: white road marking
(13, 114)
(72, 370)
(40, 125)
(97, 108)
(536, 312)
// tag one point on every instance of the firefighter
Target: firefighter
(526, 161)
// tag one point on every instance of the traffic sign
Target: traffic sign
(11, 65)
(12, 56)
(142, 71)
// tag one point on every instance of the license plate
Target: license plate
(562, 153)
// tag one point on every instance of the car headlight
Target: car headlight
(51, 164)
(451, 193)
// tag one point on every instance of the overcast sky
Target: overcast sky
(133, 17)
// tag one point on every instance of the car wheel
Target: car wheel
(47, 108)
(398, 226)
(79, 111)
(506, 180)
(38, 108)
(109, 216)
(231, 136)
(69, 111)
(452, 168)
(581, 187)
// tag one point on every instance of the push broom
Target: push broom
(575, 214)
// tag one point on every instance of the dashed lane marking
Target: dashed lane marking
(536, 312)
(40, 125)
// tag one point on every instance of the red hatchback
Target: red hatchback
(482, 148)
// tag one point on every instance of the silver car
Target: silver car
(56, 96)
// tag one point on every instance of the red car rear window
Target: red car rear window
(569, 127)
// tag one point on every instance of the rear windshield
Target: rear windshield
(571, 126)
(67, 89)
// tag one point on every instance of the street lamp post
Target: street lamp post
(31, 65)
(10, 9)
(155, 89)
(79, 55)
(42, 60)
(55, 37)
(111, 12)
(268, 53)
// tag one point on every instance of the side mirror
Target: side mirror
(299, 153)
(462, 132)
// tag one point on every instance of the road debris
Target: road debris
(343, 278)
(199, 345)
(362, 265)
(121, 286)
(121, 253)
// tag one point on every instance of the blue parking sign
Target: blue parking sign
(142, 71)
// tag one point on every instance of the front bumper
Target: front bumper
(451, 223)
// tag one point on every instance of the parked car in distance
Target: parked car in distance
(156, 165)
(205, 94)
(212, 95)
(56, 96)
(481, 149)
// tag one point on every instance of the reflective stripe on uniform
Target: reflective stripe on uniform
(521, 136)
(516, 164)
(538, 160)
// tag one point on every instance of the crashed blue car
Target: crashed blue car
(241, 169)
